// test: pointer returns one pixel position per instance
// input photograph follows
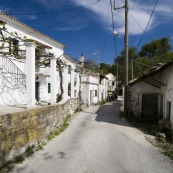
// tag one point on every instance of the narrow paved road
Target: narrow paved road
(97, 141)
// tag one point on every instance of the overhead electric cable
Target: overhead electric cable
(70, 17)
(139, 25)
(147, 23)
(71, 52)
(58, 11)
(105, 34)
(113, 28)
(141, 63)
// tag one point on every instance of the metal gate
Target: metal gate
(150, 106)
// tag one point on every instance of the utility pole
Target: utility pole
(117, 77)
(132, 69)
(126, 59)
(126, 6)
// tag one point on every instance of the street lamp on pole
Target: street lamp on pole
(126, 54)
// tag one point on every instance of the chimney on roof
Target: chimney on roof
(81, 59)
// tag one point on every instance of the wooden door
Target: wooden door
(150, 106)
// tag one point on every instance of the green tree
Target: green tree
(105, 68)
(132, 54)
(155, 48)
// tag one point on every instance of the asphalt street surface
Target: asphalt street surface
(97, 141)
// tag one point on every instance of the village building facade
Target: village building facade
(151, 96)
(111, 85)
(29, 69)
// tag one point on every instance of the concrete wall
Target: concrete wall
(43, 90)
(85, 94)
(94, 98)
(88, 94)
(135, 93)
(103, 90)
(167, 91)
(20, 129)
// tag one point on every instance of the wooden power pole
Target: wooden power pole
(126, 6)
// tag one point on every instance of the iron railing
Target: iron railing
(16, 73)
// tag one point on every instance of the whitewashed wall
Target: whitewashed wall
(135, 96)
(136, 91)
(10, 93)
(111, 79)
(167, 91)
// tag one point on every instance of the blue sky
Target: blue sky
(91, 30)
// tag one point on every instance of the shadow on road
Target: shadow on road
(109, 113)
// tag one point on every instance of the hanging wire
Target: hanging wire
(70, 17)
(105, 35)
(113, 28)
(147, 23)
(140, 26)
(52, 12)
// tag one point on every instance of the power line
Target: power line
(139, 25)
(113, 28)
(147, 24)
(105, 35)
(70, 17)
(141, 63)
(42, 13)
(71, 52)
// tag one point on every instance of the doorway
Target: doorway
(150, 106)
(37, 91)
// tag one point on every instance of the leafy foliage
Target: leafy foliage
(155, 48)
(157, 51)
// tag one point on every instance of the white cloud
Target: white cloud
(141, 12)
(31, 17)
(52, 4)
(25, 17)
(7, 11)
(140, 9)
(73, 25)
(3, 9)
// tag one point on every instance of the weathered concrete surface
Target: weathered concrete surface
(20, 129)
(97, 141)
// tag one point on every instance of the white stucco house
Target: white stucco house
(151, 95)
(92, 86)
(24, 77)
(103, 87)
(29, 72)
(111, 84)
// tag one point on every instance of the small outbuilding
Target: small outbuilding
(151, 95)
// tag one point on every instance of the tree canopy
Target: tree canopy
(152, 53)
(155, 48)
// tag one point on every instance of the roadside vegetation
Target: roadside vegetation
(150, 54)
(163, 135)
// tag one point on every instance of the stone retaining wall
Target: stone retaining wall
(18, 130)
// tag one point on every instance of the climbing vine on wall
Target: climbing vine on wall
(12, 46)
